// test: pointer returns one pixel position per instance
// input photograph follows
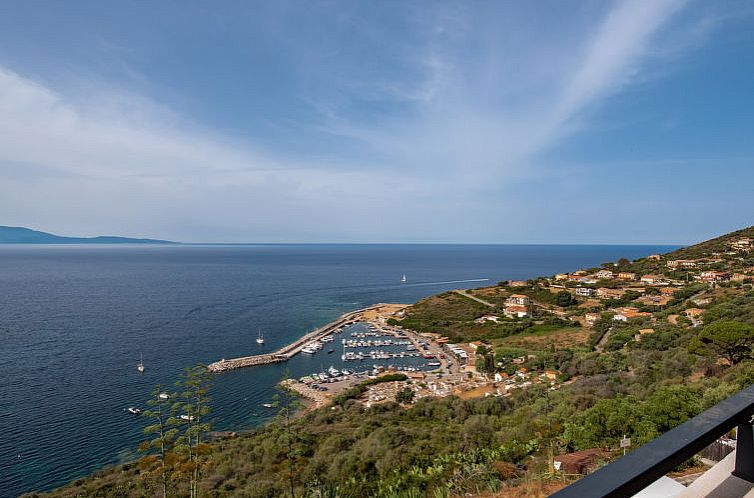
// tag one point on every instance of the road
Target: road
(466, 294)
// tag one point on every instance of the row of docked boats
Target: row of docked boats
(354, 343)
(377, 355)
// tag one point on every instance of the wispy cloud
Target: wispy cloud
(459, 122)
(425, 138)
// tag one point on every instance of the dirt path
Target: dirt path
(466, 294)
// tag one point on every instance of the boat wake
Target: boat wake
(451, 282)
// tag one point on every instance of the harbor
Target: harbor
(308, 342)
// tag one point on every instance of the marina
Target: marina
(309, 344)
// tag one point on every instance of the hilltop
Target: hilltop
(21, 235)
(563, 365)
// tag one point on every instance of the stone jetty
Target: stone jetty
(287, 352)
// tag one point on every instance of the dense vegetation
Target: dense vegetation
(614, 380)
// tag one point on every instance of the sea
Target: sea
(76, 319)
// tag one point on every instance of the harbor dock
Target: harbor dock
(287, 352)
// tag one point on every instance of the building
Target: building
(591, 318)
(604, 274)
(654, 257)
(668, 291)
(607, 293)
(584, 291)
(694, 312)
(681, 263)
(515, 311)
(517, 283)
(643, 332)
(487, 318)
(627, 313)
(627, 275)
(518, 299)
(742, 244)
(561, 276)
(714, 276)
(654, 279)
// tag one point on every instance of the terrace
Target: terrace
(733, 477)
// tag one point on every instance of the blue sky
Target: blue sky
(391, 121)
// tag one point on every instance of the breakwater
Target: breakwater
(287, 352)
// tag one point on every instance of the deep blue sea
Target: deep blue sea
(75, 318)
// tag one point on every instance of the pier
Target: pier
(287, 352)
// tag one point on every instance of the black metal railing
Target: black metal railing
(633, 472)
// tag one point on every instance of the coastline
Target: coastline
(289, 351)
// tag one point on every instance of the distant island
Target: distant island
(21, 235)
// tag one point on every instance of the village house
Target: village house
(607, 293)
(604, 274)
(668, 291)
(742, 244)
(714, 276)
(627, 275)
(515, 311)
(643, 332)
(654, 257)
(627, 313)
(739, 277)
(517, 283)
(561, 276)
(518, 299)
(487, 318)
(681, 263)
(694, 312)
(653, 279)
(584, 291)
(551, 374)
(501, 376)
(591, 318)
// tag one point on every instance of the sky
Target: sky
(628, 121)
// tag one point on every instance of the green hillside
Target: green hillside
(650, 347)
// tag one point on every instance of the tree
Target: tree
(731, 340)
(163, 428)
(192, 408)
(287, 404)
(405, 395)
(608, 421)
(672, 405)
(564, 299)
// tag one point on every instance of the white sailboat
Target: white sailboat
(260, 337)
(403, 279)
(140, 365)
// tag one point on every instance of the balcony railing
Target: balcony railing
(633, 472)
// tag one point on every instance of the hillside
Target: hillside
(717, 245)
(563, 364)
(21, 235)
